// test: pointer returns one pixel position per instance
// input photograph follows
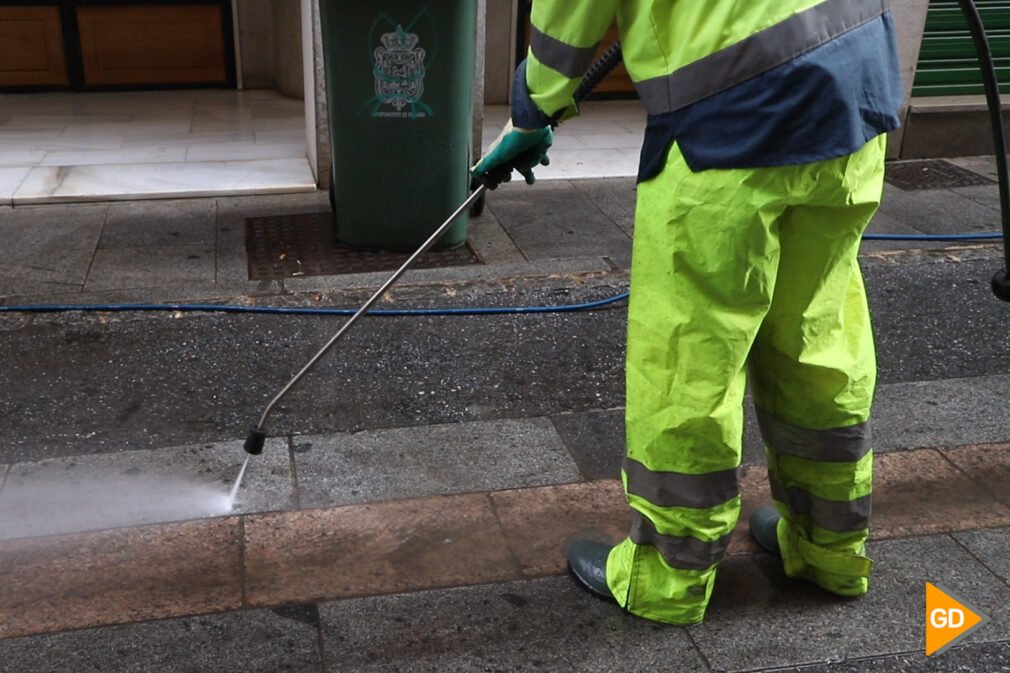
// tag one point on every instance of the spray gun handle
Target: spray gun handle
(255, 441)
(1001, 285)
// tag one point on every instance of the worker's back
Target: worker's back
(737, 83)
(659, 37)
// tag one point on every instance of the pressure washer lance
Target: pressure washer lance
(257, 436)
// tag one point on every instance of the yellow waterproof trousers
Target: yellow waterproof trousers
(737, 269)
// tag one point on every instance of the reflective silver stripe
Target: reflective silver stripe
(757, 54)
(570, 61)
(838, 445)
(674, 489)
(687, 553)
(840, 517)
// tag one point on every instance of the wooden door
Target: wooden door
(31, 47)
(155, 44)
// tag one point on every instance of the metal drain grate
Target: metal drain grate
(294, 246)
(932, 174)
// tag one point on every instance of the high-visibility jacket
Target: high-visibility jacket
(736, 84)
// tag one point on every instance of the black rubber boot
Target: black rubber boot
(764, 523)
(587, 559)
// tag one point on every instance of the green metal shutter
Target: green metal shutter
(947, 62)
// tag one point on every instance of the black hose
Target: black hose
(600, 69)
(1000, 281)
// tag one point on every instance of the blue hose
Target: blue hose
(405, 312)
(231, 308)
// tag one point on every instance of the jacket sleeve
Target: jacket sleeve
(565, 37)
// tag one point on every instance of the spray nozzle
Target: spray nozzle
(255, 441)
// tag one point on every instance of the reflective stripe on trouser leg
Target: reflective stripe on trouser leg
(814, 373)
(703, 272)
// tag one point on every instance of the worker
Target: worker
(762, 164)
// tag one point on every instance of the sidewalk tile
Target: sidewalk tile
(989, 547)
(250, 641)
(540, 522)
(987, 464)
(347, 468)
(919, 493)
(943, 412)
(133, 488)
(595, 439)
(180, 222)
(615, 197)
(387, 547)
(552, 220)
(758, 618)
(59, 583)
(121, 268)
(48, 249)
(539, 626)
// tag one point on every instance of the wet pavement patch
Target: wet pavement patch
(294, 246)
(932, 174)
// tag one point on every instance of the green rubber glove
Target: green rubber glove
(514, 149)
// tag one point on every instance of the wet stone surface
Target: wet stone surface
(256, 641)
(760, 619)
(71, 494)
(542, 625)
(432, 460)
(58, 583)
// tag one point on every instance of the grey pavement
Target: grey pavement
(432, 405)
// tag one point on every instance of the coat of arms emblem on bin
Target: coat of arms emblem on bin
(399, 76)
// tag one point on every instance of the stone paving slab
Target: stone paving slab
(388, 547)
(938, 211)
(429, 460)
(76, 581)
(260, 641)
(47, 250)
(987, 465)
(941, 412)
(491, 242)
(151, 266)
(614, 197)
(133, 488)
(520, 627)
(990, 548)
(760, 619)
(552, 220)
(179, 222)
(538, 526)
(921, 492)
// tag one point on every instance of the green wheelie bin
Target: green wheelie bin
(399, 87)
